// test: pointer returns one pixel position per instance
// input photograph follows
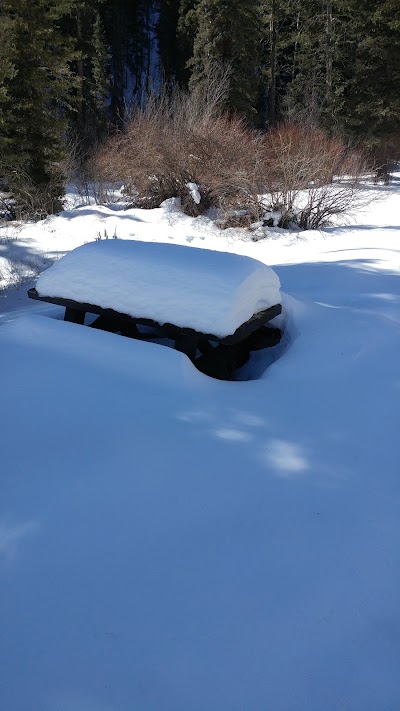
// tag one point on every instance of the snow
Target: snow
(211, 292)
(194, 191)
(274, 215)
(168, 541)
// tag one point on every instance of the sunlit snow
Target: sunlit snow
(169, 542)
(209, 291)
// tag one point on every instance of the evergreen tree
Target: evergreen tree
(35, 97)
(130, 31)
(229, 34)
(315, 92)
(118, 17)
(280, 19)
(7, 74)
(371, 109)
(175, 39)
(89, 119)
(144, 59)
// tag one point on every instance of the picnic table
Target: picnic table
(205, 304)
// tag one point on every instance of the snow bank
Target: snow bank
(212, 292)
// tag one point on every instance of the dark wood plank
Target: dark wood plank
(170, 330)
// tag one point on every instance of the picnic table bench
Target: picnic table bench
(125, 283)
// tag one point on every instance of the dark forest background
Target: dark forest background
(73, 71)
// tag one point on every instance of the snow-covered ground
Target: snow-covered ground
(169, 542)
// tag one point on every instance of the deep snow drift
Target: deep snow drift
(169, 542)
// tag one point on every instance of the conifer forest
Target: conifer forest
(74, 72)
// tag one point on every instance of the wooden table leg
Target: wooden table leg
(74, 315)
(187, 344)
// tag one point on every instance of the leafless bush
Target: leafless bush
(181, 139)
(384, 158)
(28, 200)
(310, 176)
(82, 175)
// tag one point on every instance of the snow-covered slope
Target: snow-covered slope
(171, 543)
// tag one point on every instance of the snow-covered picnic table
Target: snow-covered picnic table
(192, 294)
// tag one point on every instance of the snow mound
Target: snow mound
(211, 292)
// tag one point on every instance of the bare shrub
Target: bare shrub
(384, 157)
(146, 156)
(181, 139)
(28, 200)
(231, 164)
(82, 175)
(310, 176)
(211, 95)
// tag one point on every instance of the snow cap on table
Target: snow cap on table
(209, 291)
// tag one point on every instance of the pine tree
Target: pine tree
(280, 19)
(371, 109)
(175, 39)
(35, 98)
(315, 92)
(117, 20)
(229, 34)
(88, 122)
(130, 31)
(345, 64)
(7, 75)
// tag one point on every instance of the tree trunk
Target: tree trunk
(273, 29)
(329, 54)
